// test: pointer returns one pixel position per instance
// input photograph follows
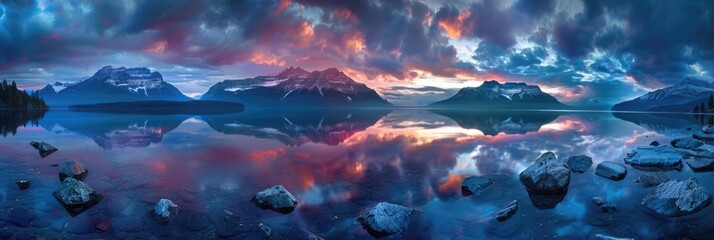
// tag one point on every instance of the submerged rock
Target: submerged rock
(652, 179)
(611, 170)
(607, 237)
(76, 196)
(655, 158)
(706, 134)
(44, 148)
(654, 143)
(275, 198)
(73, 169)
(686, 143)
(475, 185)
(104, 226)
(546, 175)
(264, 231)
(387, 219)
(546, 201)
(701, 164)
(23, 184)
(604, 205)
(507, 212)
(678, 198)
(580, 164)
(164, 211)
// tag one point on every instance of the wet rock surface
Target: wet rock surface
(546, 175)
(76, 196)
(387, 219)
(706, 134)
(611, 170)
(44, 148)
(275, 198)
(164, 211)
(73, 169)
(603, 204)
(655, 158)
(652, 179)
(475, 185)
(701, 164)
(678, 198)
(507, 212)
(686, 143)
(580, 164)
(608, 237)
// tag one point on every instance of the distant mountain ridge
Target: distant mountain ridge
(296, 87)
(494, 95)
(680, 97)
(111, 84)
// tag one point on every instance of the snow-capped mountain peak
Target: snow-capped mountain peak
(291, 72)
(492, 94)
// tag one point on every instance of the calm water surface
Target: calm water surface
(338, 164)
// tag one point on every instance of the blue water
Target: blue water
(338, 164)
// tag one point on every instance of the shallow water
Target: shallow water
(338, 164)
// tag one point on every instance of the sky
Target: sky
(585, 53)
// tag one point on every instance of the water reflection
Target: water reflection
(10, 120)
(494, 122)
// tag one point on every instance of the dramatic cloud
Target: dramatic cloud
(587, 52)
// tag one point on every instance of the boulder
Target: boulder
(655, 158)
(701, 164)
(580, 164)
(76, 196)
(73, 169)
(275, 198)
(44, 148)
(546, 175)
(686, 143)
(387, 219)
(678, 198)
(475, 185)
(652, 179)
(611, 170)
(23, 184)
(507, 212)
(654, 143)
(604, 205)
(164, 211)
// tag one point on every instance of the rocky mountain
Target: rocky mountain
(111, 84)
(295, 87)
(494, 95)
(680, 97)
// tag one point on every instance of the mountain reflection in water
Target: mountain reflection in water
(338, 164)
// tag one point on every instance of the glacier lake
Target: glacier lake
(338, 164)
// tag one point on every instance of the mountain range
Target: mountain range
(680, 97)
(494, 95)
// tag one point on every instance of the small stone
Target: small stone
(507, 212)
(23, 184)
(701, 164)
(104, 226)
(164, 211)
(654, 143)
(652, 179)
(264, 231)
(475, 185)
(387, 219)
(611, 170)
(546, 175)
(44, 148)
(678, 198)
(604, 205)
(606, 237)
(580, 164)
(275, 198)
(76, 196)
(73, 169)
(655, 158)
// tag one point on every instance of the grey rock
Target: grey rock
(475, 185)
(652, 179)
(44, 148)
(23, 184)
(387, 219)
(678, 198)
(580, 164)
(76, 196)
(507, 212)
(264, 231)
(655, 158)
(686, 143)
(604, 204)
(73, 169)
(164, 211)
(275, 198)
(701, 164)
(546, 175)
(611, 170)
